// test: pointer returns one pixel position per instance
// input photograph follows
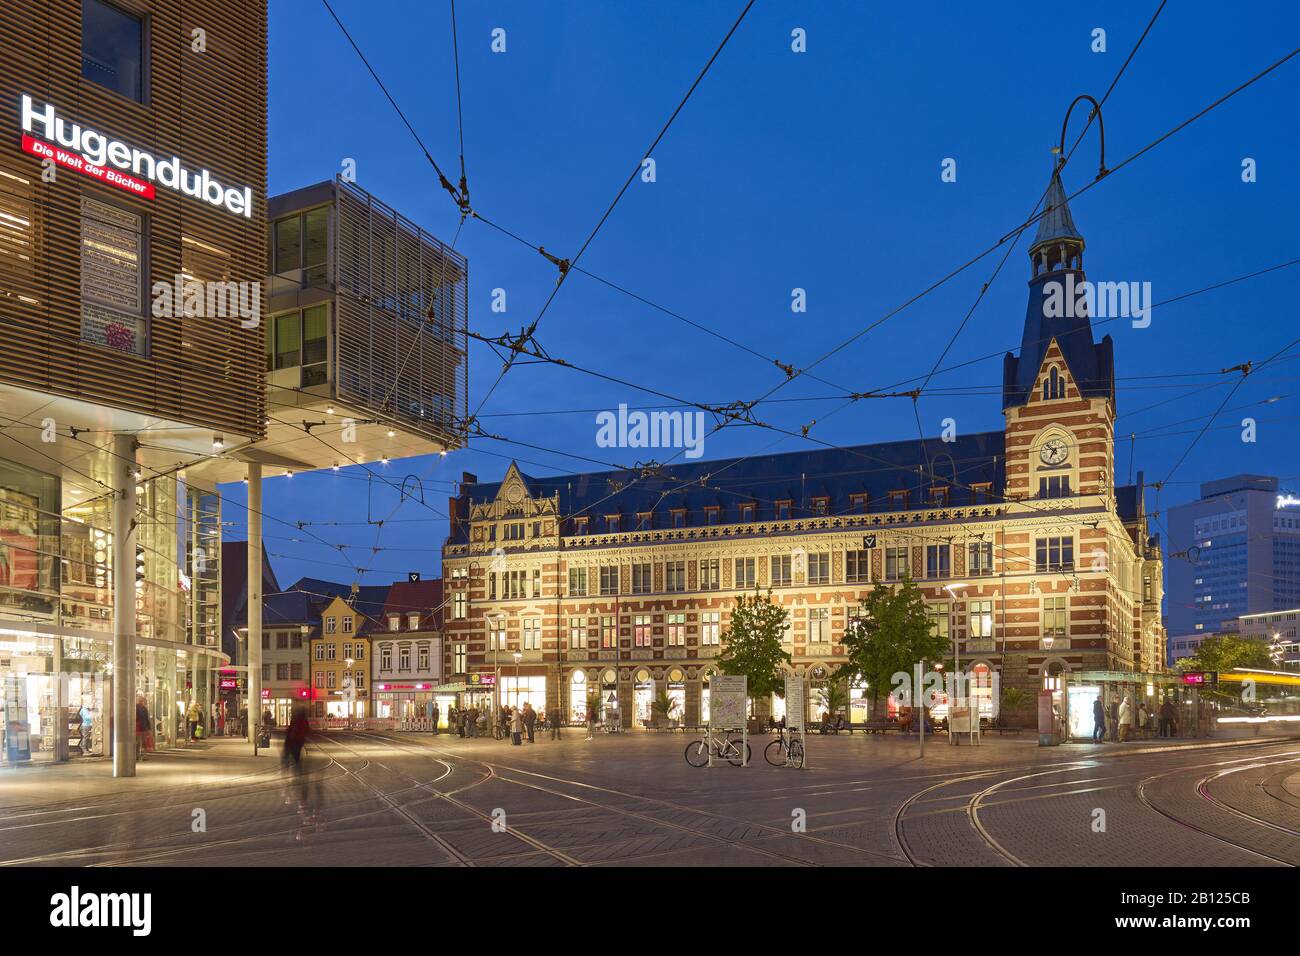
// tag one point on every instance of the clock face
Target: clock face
(1053, 452)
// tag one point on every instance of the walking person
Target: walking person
(516, 727)
(1114, 720)
(591, 721)
(530, 721)
(1098, 722)
(1125, 719)
(1166, 717)
(434, 714)
(471, 721)
(1142, 719)
(143, 728)
(192, 717)
(295, 739)
(554, 718)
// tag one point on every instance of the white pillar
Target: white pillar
(123, 469)
(254, 601)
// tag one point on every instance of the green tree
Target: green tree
(832, 696)
(663, 706)
(1014, 700)
(889, 634)
(752, 644)
(1223, 652)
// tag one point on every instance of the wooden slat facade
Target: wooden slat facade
(209, 109)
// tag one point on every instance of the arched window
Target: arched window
(1054, 384)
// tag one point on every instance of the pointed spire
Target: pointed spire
(1057, 223)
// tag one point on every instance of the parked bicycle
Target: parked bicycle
(723, 747)
(785, 751)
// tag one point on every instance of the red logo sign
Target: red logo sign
(78, 163)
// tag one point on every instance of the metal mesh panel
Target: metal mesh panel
(402, 316)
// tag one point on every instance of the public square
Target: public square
(384, 799)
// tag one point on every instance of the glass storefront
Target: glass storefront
(527, 689)
(578, 697)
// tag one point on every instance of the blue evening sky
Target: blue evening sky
(820, 171)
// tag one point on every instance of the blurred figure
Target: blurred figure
(142, 727)
(295, 739)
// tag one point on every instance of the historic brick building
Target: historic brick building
(1027, 551)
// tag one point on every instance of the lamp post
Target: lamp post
(518, 656)
(952, 590)
(351, 689)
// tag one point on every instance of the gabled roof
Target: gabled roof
(800, 477)
(370, 597)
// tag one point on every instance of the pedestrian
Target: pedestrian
(434, 714)
(516, 727)
(142, 727)
(1166, 718)
(530, 721)
(1098, 722)
(1125, 719)
(1114, 719)
(1142, 719)
(295, 739)
(268, 718)
(192, 716)
(591, 721)
(554, 718)
(471, 721)
(242, 730)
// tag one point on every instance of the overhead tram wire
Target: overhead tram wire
(442, 178)
(1015, 231)
(565, 265)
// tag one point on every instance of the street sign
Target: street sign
(727, 701)
(795, 707)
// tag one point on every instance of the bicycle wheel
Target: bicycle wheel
(796, 754)
(697, 752)
(774, 753)
(733, 753)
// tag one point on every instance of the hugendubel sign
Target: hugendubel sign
(48, 135)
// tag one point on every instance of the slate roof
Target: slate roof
(423, 596)
(800, 477)
(1057, 222)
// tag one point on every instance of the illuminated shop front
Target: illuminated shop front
(578, 690)
(517, 690)
(643, 694)
(405, 701)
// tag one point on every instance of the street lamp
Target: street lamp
(518, 656)
(351, 689)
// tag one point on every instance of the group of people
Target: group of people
(517, 723)
(1122, 720)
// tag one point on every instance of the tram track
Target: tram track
(497, 771)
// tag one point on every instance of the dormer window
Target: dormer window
(580, 524)
(981, 493)
(782, 510)
(898, 501)
(679, 517)
(747, 512)
(611, 524)
(939, 497)
(821, 506)
(643, 520)
(1053, 384)
(712, 514)
(858, 503)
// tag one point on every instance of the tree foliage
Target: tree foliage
(889, 634)
(752, 644)
(1224, 652)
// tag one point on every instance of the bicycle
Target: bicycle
(785, 751)
(723, 747)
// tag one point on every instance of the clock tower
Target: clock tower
(1058, 391)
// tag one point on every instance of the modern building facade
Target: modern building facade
(1031, 559)
(1279, 630)
(406, 654)
(1234, 551)
(133, 173)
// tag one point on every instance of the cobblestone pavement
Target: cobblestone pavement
(390, 799)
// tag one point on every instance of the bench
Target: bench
(880, 726)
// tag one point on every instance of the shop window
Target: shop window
(112, 48)
(112, 294)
